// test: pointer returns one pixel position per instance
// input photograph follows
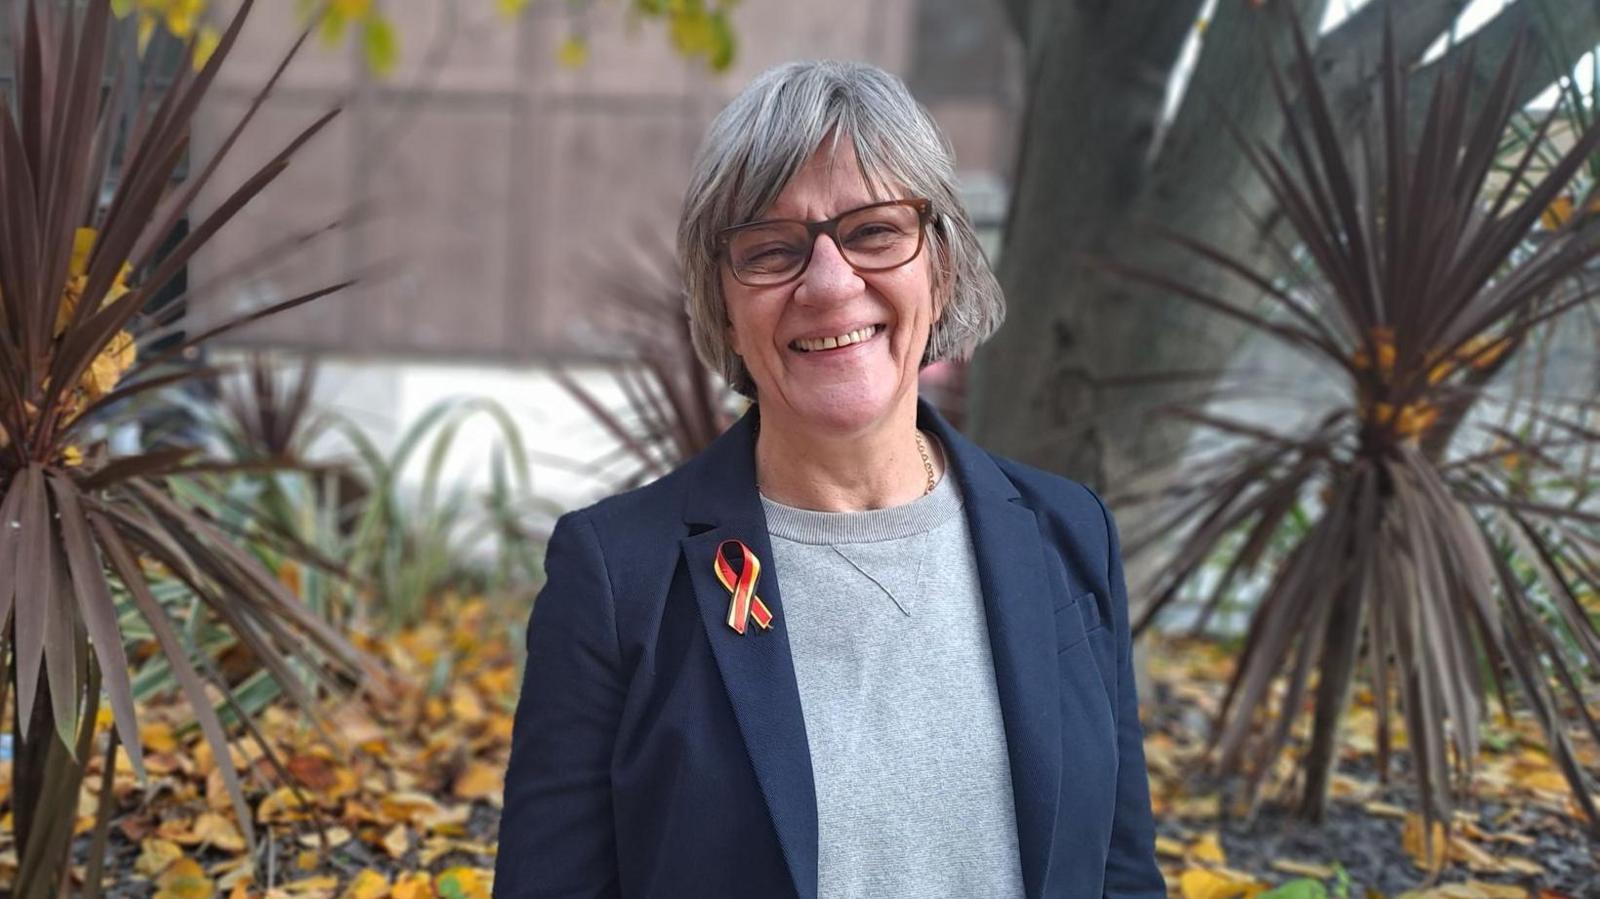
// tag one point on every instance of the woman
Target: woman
(844, 652)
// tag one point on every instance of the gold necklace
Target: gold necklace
(922, 450)
(927, 465)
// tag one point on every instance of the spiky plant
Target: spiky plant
(1428, 567)
(673, 407)
(80, 526)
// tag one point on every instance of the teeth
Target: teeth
(827, 343)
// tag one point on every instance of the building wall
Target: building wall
(491, 194)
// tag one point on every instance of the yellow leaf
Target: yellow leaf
(465, 705)
(467, 883)
(397, 841)
(157, 737)
(574, 52)
(1558, 213)
(368, 884)
(1199, 883)
(412, 885)
(1208, 849)
(510, 8)
(282, 805)
(325, 883)
(1549, 780)
(147, 28)
(1428, 853)
(381, 44)
(156, 855)
(480, 780)
(215, 830)
(205, 45)
(82, 246)
(184, 879)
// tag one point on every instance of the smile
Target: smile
(819, 344)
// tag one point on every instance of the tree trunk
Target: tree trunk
(1095, 166)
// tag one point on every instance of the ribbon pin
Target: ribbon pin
(746, 604)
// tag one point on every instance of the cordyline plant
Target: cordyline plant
(673, 407)
(1428, 567)
(82, 530)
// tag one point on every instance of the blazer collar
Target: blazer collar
(758, 669)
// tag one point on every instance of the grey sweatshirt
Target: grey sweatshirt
(891, 653)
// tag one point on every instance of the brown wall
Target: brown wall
(494, 186)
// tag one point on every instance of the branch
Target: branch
(1230, 79)
(1019, 12)
(1559, 33)
(1349, 56)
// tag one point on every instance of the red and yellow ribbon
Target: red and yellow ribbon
(746, 604)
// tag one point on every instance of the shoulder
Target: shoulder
(1060, 502)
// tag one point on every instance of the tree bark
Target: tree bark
(1092, 170)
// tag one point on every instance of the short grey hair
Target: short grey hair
(762, 138)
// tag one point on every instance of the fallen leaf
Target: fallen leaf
(397, 841)
(156, 855)
(462, 883)
(414, 885)
(1208, 849)
(184, 879)
(368, 884)
(1201, 883)
(480, 780)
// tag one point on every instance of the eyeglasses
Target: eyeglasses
(872, 238)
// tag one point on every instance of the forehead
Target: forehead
(830, 180)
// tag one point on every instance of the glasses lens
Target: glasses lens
(767, 253)
(880, 237)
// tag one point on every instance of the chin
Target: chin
(844, 410)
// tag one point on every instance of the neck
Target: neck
(875, 468)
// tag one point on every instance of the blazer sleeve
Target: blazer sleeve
(1131, 869)
(556, 831)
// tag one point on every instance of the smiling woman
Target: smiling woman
(758, 675)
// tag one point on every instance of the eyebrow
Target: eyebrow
(853, 205)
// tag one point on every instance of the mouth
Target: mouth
(824, 345)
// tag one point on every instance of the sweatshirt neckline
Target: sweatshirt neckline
(919, 516)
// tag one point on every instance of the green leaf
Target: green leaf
(449, 888)
(723, 42)
(1304, 888)
(382, 45)
(121, 8)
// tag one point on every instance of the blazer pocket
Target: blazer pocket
(1075, 619)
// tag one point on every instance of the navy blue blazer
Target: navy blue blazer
(657, 753)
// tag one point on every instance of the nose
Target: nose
(827, 276)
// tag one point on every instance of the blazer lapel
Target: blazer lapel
(756, 666)
(1019, 611)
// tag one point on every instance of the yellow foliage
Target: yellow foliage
(368, 884)
(1208, 849)
(412, 885)
(184, 879)
(156, 855)
(468, 883)
(1200, 883)
(574, 52)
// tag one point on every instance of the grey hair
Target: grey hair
(762, 138)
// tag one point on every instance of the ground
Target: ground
(411, 801)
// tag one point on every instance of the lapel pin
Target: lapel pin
(745, 605)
